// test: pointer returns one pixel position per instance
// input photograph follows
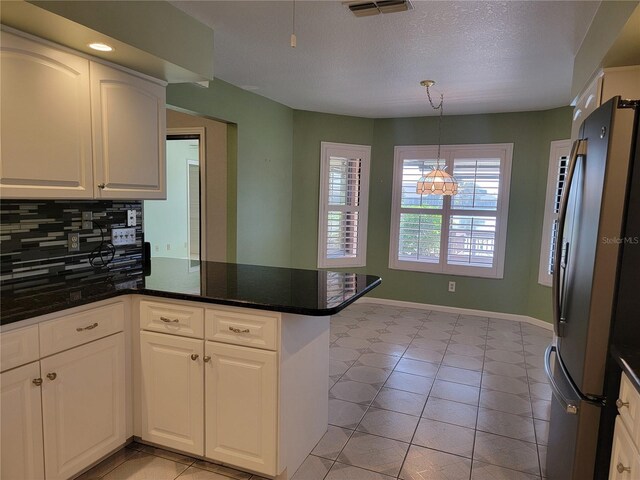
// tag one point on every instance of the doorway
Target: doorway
(173, 226)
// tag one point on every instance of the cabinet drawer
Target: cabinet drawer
(172, 318)
(629, 409)
(18, 347)
(243, 328)
(625, 459)
(79, 328)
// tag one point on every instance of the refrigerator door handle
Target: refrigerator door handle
(570, 406)
(566, 404)
(579, 148)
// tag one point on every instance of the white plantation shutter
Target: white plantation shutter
(464, 234)
(563, 163)
(344, 189)
(558, 164)
(420, 216)
(472, 233)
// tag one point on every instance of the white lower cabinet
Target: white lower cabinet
(625, 456)
(83, 405)
(251, 392)
(20, 403)
(625, 459)
(63, 398)
(241, 406)
(172, 391)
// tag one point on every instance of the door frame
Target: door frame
(200, 132)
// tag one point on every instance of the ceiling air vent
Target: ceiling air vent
(366, 9)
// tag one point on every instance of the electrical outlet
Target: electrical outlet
(87, 216)
(452, 286)
(73, 242)
(123, 236)
(131, 218)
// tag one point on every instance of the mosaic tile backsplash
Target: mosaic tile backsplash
(33, 240)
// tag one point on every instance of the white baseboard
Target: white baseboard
(464, 311)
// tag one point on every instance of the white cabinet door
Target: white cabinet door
(625, 459)
(241, 406)
(21, 419)
(129, 130)
(45, 122)
(172, 394)
(83, 405)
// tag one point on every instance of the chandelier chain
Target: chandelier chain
(439, 107)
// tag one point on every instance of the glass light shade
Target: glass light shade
(437, 182)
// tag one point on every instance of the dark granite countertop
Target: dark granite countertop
(629, 359)
(288, 290)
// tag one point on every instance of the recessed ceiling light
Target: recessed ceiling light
(102, 47)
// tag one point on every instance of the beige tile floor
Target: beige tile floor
(414, 395)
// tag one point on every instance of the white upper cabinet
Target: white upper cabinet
(129, 125)
(46, 122)
(74, 128)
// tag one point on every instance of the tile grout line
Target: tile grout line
(428, 395)
(475, 428)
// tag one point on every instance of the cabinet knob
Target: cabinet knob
(621, 468)
(206, 358)
(52, 375)
(620, 403)
(169, 320)
(37, 382)
(194, 356)
(101, 186)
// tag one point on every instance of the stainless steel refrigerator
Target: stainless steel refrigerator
(596, 290)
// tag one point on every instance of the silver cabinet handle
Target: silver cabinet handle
(206, 358)
(101, 186)
(37, 382)
(88, 327)
(620, 403)
(237, 330)
(194, 356)
(52, 375)
(169, 320)
(621, 468)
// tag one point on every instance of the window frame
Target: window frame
(504, 151)
(351, 151)
(557, 150)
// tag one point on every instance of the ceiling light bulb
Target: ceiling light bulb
(102, 47)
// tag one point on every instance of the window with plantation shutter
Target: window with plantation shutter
(344, 198)
(558, 163)
(464, 234)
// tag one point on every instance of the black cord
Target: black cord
(103, 254)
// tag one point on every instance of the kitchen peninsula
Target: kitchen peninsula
(222, 361)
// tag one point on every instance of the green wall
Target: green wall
(274, 156)
(556, 126)
(309, 129)
(260, 156)
(518, 292)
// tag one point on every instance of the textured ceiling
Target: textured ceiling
(485, 56)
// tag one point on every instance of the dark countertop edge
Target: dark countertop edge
(629, 359)
(321, 312)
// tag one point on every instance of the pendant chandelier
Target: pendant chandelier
(437, 181)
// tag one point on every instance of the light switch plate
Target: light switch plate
(131, 218)
(123, 236)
